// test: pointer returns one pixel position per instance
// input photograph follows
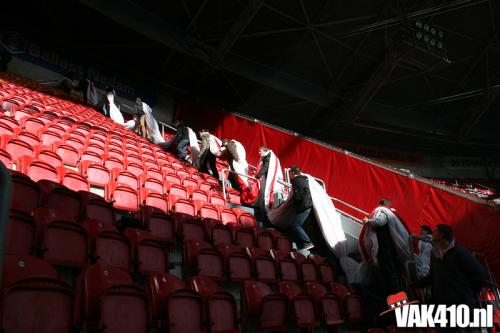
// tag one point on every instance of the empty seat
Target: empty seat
(110, 302)
(260, 304)
(21, 233)
(123, 196)
(62, 241)
(72, 180)
(199, 258)
(221, 309)
(152, 184)
(247, 220)
(6, 159)
(264, 266)
(244, 236)
(326, 271)
(38, 170)
(111, 162)
(25, 192)
(16, 148)
(351, 303)
(327, 304)
(48, 137)
(49, 157)
(96, 173)
(238, 264)
(173, 306)
(125, 177)
(109, 246)
(33, 298)
(27, 137)
(69, 155)
(302, 307)
(152, 198)
(265, 239)
(227, 216)
(34, 125)
(96, 208)
(288, 268)
(308, 269)
(92, 156)
(182, 210)
(160, 225)
(150, 255)
(61, 199)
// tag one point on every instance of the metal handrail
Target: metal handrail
(5, 199)
(237, 173)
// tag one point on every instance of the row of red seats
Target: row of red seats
(235, 263)
(105, 298)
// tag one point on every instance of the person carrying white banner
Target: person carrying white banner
(115, 113)
(212, 147)
(183, 138)
(152, 129)
(327, 219)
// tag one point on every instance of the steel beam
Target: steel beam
(158, 29)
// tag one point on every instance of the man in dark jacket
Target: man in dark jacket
(302, 201)
(455, 276)
(181, 139)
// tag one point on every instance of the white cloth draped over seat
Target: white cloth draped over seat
(328, 220)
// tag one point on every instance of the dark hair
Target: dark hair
(446, 231)
(203, 130)
(295, 169)
(384, 202)
(263, 148)
(426, 228)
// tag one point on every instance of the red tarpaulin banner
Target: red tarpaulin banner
(358, 182)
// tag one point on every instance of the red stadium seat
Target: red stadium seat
(327, 304)
(221, 309)
(21, 233)
(352, 304)
(6, 129)
(72, 180)
(160, 225)
(96, 173)
(69, 155)
(108, 246)
(38, 170)
(33, 125)
(5, 159)
(302, 307)
(308, 268)
(109, 301)
(26, 193)
(134, 168)
(150, 255)
(227, 216)
(96, 208)
(265, 239)
(247, 220)
(27, 137)
(33, 298)
(152, 184)
(111, 162)
(283, 243)
(49, 157)
(183, 210)
(174, 307)
(16, 148)
(62, 241)
(288, 268)
(91, 156)
(154, 173)
(199, 258)
(326, 271)
(56, 128)
(171, 180)
(175, 193)
(154, 199)
(125, 177)
(264, 266)
(61, 199)
(259, 303)
(244, 236)
(123, 196)
(238, 264)
(48, 138)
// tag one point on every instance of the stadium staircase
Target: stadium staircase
(108, 233)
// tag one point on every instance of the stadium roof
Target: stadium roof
(338, 71)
